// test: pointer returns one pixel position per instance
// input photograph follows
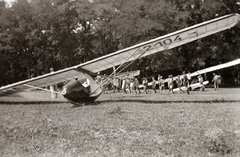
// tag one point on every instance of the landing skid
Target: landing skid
(76, 104)
(80, 104)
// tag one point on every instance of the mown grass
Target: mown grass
(121, 129)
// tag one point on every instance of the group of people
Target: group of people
(185, 81)
(132, 85)
(159, 81)
(181, 81)
(128, 85)
(108, 83)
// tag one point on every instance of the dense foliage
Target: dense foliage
(39, 34)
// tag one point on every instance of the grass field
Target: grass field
(200, 124)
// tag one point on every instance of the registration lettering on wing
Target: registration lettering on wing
(163, 44)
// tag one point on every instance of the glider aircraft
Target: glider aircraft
(76, 92)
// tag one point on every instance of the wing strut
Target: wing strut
(42, 89)
(120, 67)
(130, 63)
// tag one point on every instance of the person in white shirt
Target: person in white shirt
(170, 83)
(216, 80)
(145, 83)
(200, 80)
(161, 84)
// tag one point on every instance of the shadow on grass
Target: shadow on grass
(169, 101)
(98, 102)
(31, 102)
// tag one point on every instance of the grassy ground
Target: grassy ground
(200, 124)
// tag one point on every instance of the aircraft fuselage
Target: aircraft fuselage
(80, 90)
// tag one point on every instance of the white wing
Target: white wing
(162, 43)
(216, 67)
(129, 74)
(41, 81)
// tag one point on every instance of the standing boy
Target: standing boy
(170, 83)
(154, 84)
(161, 85)
(179, 84)
(185, 81)
(216, 81)
(145, 83)
(200, 80)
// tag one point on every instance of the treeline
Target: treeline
(39, 34)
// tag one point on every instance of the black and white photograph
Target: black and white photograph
(120, 78)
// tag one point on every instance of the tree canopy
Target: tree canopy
(36, 35)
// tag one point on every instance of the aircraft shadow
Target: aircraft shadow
(99, 102)
(167, 101)
(31, 102)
